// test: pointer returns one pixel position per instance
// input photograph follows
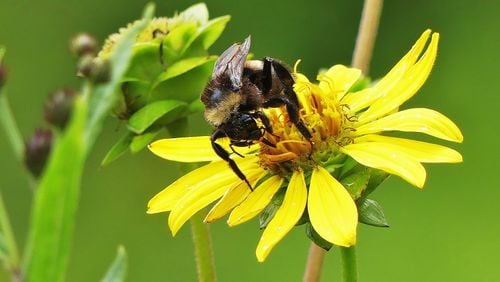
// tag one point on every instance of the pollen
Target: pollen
(327, 120)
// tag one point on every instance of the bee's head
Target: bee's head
(219, 102)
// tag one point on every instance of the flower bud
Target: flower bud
(84, 65)
(57, 109)
(83, 43)
(100, 71)
(37, 151)
(95, 69)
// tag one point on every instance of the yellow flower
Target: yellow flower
(342, 123)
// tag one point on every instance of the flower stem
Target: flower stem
(367, 34)
(314, 263)
(349, 267)
(205, 264)
(10, 127)
(202, 241)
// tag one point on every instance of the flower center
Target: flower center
(327, 120)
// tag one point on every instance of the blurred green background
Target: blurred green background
(449, 231)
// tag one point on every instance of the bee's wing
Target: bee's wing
(231, 63)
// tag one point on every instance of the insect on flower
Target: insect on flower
(239, 89)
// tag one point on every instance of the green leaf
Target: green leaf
(356, 181)
(371, 213)
(182, 67)
(209, 33)
(118, 149)
(105, 96)
(141, 141)
(316, 238)
(8, 246)
(4, 250)
(117, 270)
(270, 210)
(56, 202)
(168, 110)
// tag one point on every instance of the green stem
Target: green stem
(349, 264)
(205, 264)
(202, 241)
(10, 127)
(12, 258)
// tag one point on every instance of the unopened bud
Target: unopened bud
(100, 71)
(95, 69)
(83, 43)
(37, 151)
(84, 65)
(57, 109)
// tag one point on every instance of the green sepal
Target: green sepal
(377, 177)
(209, 33)
(117, 270)
(181, 67)
(316, 238)
(195, 13)
(270, 210)
(167, 110)
(356, 181)
(118, 149)
(360, 84)
(371, 213)
(185, 87)
(141, 141)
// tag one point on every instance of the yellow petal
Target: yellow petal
(389, 158)
(406, 87)
(422, 151)
(168, 197)
(233, 197)
(286, 217)
(332, 211)
(256, 201)
(362, 99)
(338, 79)
(415, 120)
(186, 149)
(205, 192)
(192, 149)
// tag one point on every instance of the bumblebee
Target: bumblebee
(236, 94)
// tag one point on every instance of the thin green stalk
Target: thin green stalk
(349, 264)
(10, 127)
(200, 232)
(12, 258)
(205, 264)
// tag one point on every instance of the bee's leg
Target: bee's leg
(267, 76)
(293, 112)
(234, 151)
(159, 33)
(265, 121)
(223, 154)
(267, 127)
